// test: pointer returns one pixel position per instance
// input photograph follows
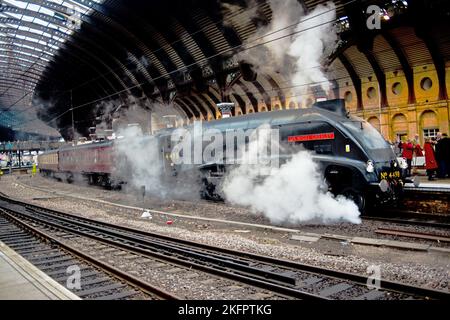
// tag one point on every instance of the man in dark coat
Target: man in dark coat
(446, 147)
(442, 152)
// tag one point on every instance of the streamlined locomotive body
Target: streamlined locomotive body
(354, 159)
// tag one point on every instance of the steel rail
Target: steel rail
(143, 286)
(135, 240)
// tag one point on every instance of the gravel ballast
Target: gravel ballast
(417, 268)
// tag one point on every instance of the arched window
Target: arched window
(429, 124)
(375, 122)
(400, 126)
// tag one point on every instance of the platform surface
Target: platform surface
(20, 280)
(441, 185)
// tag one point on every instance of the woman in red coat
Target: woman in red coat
(407, 153)
(430, 160)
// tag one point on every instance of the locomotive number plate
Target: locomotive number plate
(391, 175)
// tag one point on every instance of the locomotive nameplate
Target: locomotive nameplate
(312, 137)
(391, 175)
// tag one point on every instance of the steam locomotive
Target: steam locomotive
(353, 157)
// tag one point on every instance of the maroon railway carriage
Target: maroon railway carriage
(48, 162)
(93, 161)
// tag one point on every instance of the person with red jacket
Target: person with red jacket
(407, 153)
(417, 148)
(430, 159)
(418, 152)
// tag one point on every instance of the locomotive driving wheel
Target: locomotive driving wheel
(357, 197)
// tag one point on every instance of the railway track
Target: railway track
(283, 277)
(414, 234)
(411, 218)
(61, 262)
(397, 216)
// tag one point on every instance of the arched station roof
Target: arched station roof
(183, 52)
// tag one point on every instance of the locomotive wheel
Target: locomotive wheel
(357, 197)
(208, 192)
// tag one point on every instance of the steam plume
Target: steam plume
(293, 43)
(293, 193)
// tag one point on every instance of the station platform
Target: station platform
(20, 280)
(437, 185)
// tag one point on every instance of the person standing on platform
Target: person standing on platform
(430, 159)
(442, 154)
(446, 150)
(417, 152)
(407, 153)
(417, 148)
(396, 146)
(33, 170)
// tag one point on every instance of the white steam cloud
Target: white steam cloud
(292, 193)
(139, 158)
(314, 42)
(293, 43)
(138, 161)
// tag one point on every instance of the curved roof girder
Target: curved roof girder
(19, 57)
(36, 45)
(12, 47)
(438, 60)
(194, 112)
(201, 40)
(19, 72)
(206, 104)
(240, 102)
(29, 34)
(52, 5)
(74, 48)
(106, 20)
(355, 79)
(19, 66)
(237, 90)
(367, 50)
(21, 77)
(35, 26)
(407, 70)
(30, 13)
(8, 54)
(22, 63)
(24, 83)
(193, 102)
(253, 100)
(187, 111)
(263, 93)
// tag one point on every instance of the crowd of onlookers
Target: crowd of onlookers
(436, 151)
